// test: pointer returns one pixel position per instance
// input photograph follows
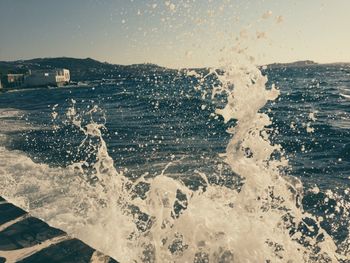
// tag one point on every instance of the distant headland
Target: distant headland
(301, 63)
(80, 69)
(38, 71)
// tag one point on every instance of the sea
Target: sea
(241, 164)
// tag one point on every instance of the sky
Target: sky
(176, 33)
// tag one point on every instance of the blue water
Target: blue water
(325, 161)
(154, 120)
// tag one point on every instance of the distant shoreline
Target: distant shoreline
(71, 63)
(89, 69)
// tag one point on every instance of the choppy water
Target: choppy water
(146, 170)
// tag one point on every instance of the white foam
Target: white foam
(95, 202)
(346, 96)
(12, 120)
(98, 204)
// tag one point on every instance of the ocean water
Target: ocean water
(208, 166)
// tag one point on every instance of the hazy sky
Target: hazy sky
(175, 33)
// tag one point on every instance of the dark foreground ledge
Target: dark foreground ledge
(26, 239)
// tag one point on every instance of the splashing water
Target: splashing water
(263, 221)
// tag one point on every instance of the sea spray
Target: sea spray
(262, 221)
(266, 192)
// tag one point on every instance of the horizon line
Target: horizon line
(191, 67)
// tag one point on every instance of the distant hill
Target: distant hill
(91, 69)
(301, 63)
(81, 69)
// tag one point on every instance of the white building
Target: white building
(54, 77)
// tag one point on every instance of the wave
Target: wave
(347, 96)
(12, 120)
(161, 219)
